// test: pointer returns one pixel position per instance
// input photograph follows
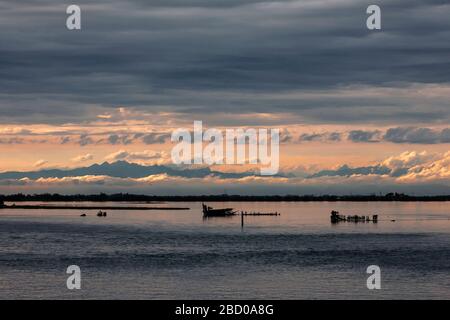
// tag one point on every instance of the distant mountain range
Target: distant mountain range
(122, 169)
(346, 171)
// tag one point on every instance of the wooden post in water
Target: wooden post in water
(242, 220)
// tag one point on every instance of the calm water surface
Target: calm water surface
(178, 255)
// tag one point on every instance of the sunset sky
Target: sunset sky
(341, 95)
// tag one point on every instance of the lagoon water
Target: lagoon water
(179, 255)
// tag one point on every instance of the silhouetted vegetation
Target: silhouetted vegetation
(102, 197)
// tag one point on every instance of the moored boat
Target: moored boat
(211, 212)
(101, 213)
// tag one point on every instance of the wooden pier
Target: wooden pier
(245, 213)
(260, 214)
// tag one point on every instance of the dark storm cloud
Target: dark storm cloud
(11, 141)
(363, 136)
(112, 139)
(417, 135)
(85, 140)
(64, 140)
(325, 136)
(119, 139)
(285, 136)
(155, 138)
(225, 55)
(410, 135)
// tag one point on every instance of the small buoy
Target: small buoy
(392, 220)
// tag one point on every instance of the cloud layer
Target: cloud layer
(140, 69)
(127, 134)
(407, 172)
(314, 60)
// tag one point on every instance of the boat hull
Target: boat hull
(210, 212)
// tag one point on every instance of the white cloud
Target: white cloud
(408, 159)
(83, 158)
(143, 157)
(437, 170)
(40, 163)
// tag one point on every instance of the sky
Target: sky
(343, 96)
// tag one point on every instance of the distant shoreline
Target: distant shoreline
(124, 197)
(44, 207)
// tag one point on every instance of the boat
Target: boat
(211, 212)
(101, 213)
